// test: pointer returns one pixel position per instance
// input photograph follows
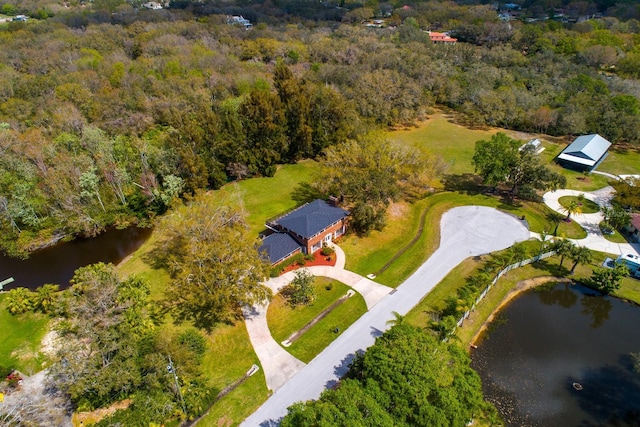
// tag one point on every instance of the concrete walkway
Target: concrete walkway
(465, 231)
(278, 364)
(591, 222)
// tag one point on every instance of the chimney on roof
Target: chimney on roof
(334, 201)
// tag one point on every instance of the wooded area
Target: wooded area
(105, 124)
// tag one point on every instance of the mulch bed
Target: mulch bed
(318, 259)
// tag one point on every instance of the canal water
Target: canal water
(56, 264)
(546, 340)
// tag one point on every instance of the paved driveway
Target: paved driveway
(465, 231)
(590, 222)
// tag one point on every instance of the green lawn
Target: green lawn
(284, 320)
(616, 237)
(621, 162)
(588, 207)
(229, 356)
(369, 254)
(21, 337)
(266, 197)
(439, 135)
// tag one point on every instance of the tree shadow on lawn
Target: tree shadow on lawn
(553, 269)
(467, 183)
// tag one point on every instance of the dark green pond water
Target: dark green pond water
(544, 341)
(57, 264)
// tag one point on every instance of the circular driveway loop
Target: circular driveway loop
(465, 231)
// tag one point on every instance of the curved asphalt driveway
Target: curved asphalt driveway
(465, 231)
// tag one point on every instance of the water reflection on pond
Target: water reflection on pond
(546, 340)
(57, 263)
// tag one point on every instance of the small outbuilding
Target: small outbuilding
(585, 153)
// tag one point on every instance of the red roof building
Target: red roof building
(441, 38)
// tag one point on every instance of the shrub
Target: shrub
(20, 300)
(327, 250)
(300, 291)
(194, 341)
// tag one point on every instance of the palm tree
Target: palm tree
(573, 207)
(543, 241)
(563, 247)
(580, 255)
(397, 320)
(555, 218)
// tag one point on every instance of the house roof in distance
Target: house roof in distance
(278, 246)
(310, 219)
(586, 150)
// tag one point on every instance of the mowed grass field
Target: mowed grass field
(266, 197)
(21, 338)
(441, 136)
(455, 143)
(285, 320)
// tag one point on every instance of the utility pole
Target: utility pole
(172, 370)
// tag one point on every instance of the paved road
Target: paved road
(465, 231)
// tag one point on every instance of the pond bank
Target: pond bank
(519, 288)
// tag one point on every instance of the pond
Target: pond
(56, 264)
(546, 340)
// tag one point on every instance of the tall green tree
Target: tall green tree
(616, 216)
(608, 280)
(572, 208)
(104, 320)
(296, 101)
(500, 160)
(563, 247)
(213, 260)
(371, 172)
(264, 130)
(408, 377)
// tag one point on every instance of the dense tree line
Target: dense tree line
(407, 378)
(106, 124)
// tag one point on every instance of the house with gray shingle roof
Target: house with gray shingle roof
(309, 226)
(585, 153)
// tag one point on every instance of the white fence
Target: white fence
(495, 280)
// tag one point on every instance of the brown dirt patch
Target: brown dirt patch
(517, 290)
(86, 418)
(398, 210)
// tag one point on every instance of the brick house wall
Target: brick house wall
(327, 235)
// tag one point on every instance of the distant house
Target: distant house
(633, 228)
(152, 5)
(441, 38)
(585, 153)
(535, 144)
(239, 21)
(632, 262)
(304, 230)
